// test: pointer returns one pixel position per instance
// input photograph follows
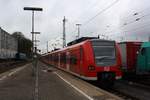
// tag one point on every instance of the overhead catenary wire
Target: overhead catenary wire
(125, 24)
(125, 31)
(138, 28)
(87, 10)
(99, 13)
(135, 20)
(134, 29)
(136, 13)
(74, 22)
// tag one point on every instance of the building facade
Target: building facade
(8, 45)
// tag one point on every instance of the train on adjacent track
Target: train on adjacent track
(89, 58)
(135, 59)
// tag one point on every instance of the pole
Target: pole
(35, 68)
(64, 32)
(34, 53)
(47, 46)
(35, 44)
(32, 33)
(78, 31)
(78, 25)
(36, 91)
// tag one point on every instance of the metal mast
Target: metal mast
(78, 25)
(64, 32)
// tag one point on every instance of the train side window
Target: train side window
(143, 51)
(81, 52)
(63, 58)
(73, 60)
(56, 58)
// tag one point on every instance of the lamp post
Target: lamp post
(34, 57)
(33, 9)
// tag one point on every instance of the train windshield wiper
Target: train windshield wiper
(103, 57)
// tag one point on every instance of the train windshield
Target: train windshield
(104, 52)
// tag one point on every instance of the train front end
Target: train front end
(106, 61)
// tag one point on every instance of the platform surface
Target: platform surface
(52, 86)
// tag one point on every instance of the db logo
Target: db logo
(107, 69)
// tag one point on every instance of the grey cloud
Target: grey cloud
(49, 22)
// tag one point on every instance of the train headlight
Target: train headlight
(91, 67)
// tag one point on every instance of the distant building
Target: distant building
(8, 45)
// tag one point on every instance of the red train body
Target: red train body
(92, 59)
(129, 55)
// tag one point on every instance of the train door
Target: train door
(59, 60)
(73, 61)
(64, 60)
(78, 59)
(67, 60)
(147, 55)
(141, 62)
(49, 59)
(81, 61)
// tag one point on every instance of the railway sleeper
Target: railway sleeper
(106, 79)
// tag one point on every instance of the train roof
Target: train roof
(131, 42)
(80, 40)
(146, 44)
(77, 42)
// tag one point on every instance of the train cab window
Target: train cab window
(104, 52)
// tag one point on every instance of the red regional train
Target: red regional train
(89, 58)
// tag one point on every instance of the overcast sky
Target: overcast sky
(113, 18)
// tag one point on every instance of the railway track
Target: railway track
(128, 91)
(122, 95)
(116, 92)
(132, 90)
(140, 85)
(143, 79)
(7, 65)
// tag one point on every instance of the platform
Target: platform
(54, 84)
